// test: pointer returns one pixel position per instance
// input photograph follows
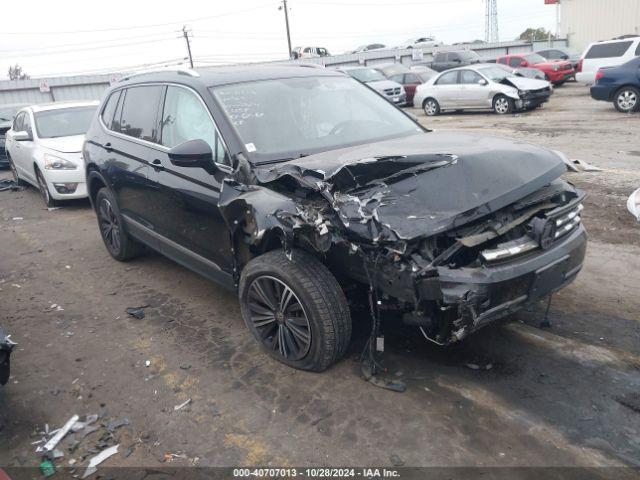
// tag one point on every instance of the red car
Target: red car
(556, 71)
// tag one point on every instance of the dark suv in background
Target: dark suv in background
(294, 185)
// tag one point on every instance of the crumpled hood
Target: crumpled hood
(523, 83)
(64, 144)
(423, 184)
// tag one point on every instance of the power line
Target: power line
(133, 27)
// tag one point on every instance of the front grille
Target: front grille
(565, 222)
(392, 91)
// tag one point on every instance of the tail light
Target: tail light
(599, 75)
(580, 65)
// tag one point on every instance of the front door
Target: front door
(472, 93)
(185, 207)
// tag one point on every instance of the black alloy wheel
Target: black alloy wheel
(279, 317)
(109, 226)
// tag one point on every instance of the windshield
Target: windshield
(366, 75)
(64, 122)
(7, 114)
(293, 117)
(534, 58)
(468, 55)
(495, 74)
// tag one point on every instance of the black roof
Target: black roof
(211, 77)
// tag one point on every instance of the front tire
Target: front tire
(503, 105)
(431, 107)
(44, 190)
(296, 309)
(627, 99)
(119, 243)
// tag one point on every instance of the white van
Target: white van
(606, 54)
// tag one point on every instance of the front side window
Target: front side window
(18, 122)
(638, 50)
(469, 77)
(64, 122)
(288, 118)
(449, 78)
(411, 78)
(186, 118)
(608, 50)
(515, 61)
(139, 112)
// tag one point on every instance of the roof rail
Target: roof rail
(179, 70)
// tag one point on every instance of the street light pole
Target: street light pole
(286, 21)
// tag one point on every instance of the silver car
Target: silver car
(482, 86)
(392, 91)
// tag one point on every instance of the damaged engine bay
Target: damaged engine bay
(450, 238)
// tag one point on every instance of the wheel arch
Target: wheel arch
(617, 90)
(95, 181)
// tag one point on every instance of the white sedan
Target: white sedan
(44, 148)
(481, 86)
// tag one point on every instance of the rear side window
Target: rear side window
(110, 108)
(397, 78)
(448, 78)
(608, 50)
(638, 50)
(440, 57)
(502, 60)
(139, 112)
(411, 78)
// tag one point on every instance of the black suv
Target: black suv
(294, 185)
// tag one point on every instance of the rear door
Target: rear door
(27, 148)
(129, 148)
(185, 207)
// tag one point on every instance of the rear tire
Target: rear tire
(503, 105)
(44, 190)
(119, 243)
(295, 309)
(431, 107)
(627, 100)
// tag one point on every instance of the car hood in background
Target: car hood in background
(423, 184)
(523, 83)
(63, 144)
(381, 85)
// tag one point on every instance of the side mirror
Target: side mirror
(524, 64)
(483, 82)
(193, 154)
(22, 136)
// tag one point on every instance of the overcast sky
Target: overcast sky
(75, 37)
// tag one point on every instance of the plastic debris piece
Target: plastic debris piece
(57, 453)
(98, 459)
(583, 166)
(17, 218)
(8, 184)
(47, 468)
(51, 444)
(182, 405)
(112, 425)
(633, 204)
(147, 363)
(82, 425)
(137, 312)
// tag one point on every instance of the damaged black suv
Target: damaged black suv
(294, 184)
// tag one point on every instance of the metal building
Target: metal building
(586, 21)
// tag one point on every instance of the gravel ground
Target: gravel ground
(567, 396)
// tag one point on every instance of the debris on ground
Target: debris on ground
(631, 401)
(582, 166)
(98, 459)
(112, 425)
(8, 184)
(51, 444)
(47, 468)
(137, 312)
(182, 405)
(396, 461)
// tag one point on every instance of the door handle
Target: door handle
(157, 164)
(107, 147)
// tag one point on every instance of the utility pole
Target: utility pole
(286, 21)
(491, 21)
(185, 34)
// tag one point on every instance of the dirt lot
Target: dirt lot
(568, 396)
